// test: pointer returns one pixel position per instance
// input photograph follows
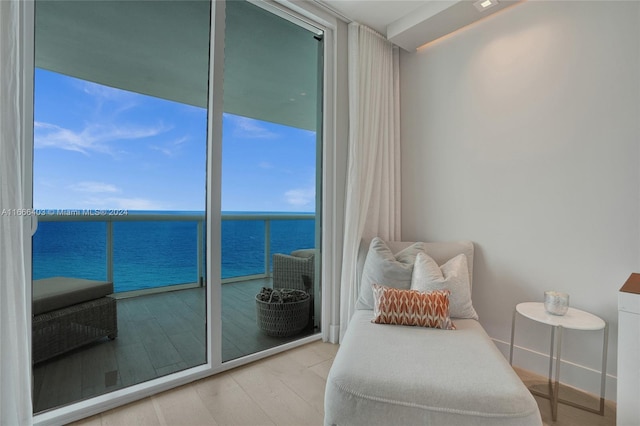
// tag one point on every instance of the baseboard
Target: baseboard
(578, 376)
(334, 333)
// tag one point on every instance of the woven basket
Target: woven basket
(283, 319)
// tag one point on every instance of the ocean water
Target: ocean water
(160, 253)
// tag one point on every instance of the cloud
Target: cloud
(248, 128)
(301, 197)
(172, 148)
(105, 93)
(266, 165)
(109, 101)
(94, 187)
(102, 126)
(92, 138)
(50, 135)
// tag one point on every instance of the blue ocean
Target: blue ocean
(149, 254)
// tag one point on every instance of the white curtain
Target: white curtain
(15, 358)
(372, 205)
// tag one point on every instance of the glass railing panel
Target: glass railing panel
(153, 254)
(70, 249)
(292, 234)
(154, 251)
(242, 248)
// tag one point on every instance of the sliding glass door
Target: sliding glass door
(271, 150)
(179, 211)
(120, 145)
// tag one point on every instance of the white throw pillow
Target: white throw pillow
(383, 267)
(452, 276)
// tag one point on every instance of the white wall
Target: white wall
(521, 133)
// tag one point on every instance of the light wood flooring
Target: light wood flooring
(158, 334)
(569, 416)
(285, 389)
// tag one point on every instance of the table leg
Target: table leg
(556, 385)
(513, 329)
(603, 379)
(551, 352)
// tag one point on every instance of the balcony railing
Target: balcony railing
(248, 241)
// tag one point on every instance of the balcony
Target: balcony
(134, 250)
(160, 302)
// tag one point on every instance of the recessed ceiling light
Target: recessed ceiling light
(485, 4)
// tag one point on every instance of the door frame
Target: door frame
(330, 216)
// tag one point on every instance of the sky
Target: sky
(97, 147)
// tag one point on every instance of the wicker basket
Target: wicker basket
(280, 319)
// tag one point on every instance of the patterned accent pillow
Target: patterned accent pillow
(411, 307)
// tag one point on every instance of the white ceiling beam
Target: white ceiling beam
(435, 19)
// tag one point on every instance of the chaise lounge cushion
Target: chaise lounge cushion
(54, 293)
(389, 374)
(304, 253)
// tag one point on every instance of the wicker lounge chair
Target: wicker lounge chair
(295, 270)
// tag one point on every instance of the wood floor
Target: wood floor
(158, 334)
(285, 389)
(163, 333)
(569, 416)
(240, 333)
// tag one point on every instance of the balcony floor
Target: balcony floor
(158, 334)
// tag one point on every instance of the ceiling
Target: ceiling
(161, 49)
(411, 24)
(376, 14)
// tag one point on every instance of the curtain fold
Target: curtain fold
(15, 356)
(372, 205)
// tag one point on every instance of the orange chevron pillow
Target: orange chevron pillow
(411, 307)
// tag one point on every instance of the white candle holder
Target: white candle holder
(556, 303)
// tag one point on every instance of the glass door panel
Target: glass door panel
(119, 187)
(271, 152)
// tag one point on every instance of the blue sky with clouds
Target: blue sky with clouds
(97, 147)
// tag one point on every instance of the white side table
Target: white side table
(574, 319)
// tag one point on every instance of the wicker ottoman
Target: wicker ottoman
(69, 313)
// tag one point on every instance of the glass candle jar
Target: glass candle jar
(556, 303)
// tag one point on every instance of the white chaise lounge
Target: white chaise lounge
(403, 375)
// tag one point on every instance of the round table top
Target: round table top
(574, 318)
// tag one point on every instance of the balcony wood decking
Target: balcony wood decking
(158, 334)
